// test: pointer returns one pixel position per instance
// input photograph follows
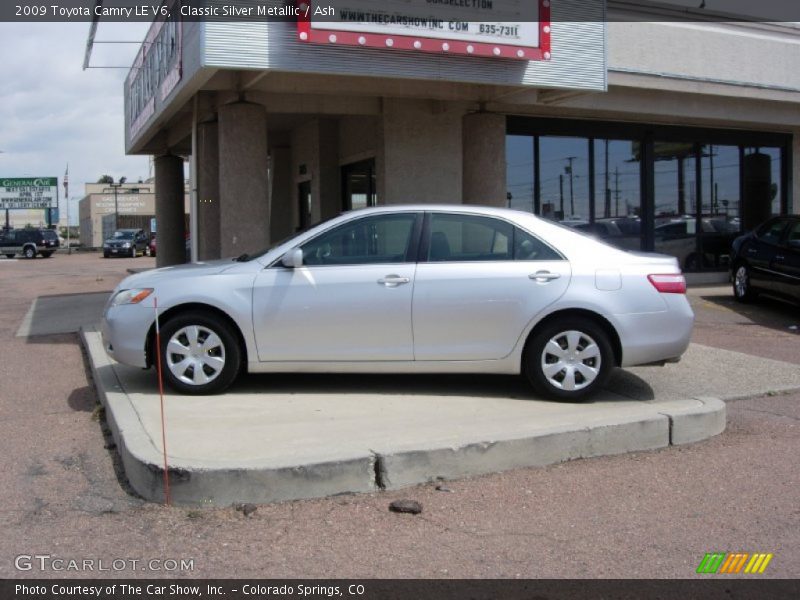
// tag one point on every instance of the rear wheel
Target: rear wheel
(199, 353)
(47, 254)
(9, 256)
(29, 252)
(568, 359)
(742, 290)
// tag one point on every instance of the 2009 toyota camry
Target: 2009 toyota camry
(409, 289)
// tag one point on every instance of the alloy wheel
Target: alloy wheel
(741, 282)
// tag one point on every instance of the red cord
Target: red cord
(161, 393)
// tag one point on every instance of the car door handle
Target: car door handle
(752, 250)
(393, 280)
(544, 276)
(780, 257)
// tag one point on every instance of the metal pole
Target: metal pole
(69, 245)
(116, 208)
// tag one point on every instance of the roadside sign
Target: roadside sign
(28, 192)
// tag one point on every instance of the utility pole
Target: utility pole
(607, 205)
(616, 191)
(561, 192)
(568, 169)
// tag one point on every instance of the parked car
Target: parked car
(126, 242)
(151, 247)
(409, 289)
(28, 242)
(768, 260)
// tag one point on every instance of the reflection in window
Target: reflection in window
(564, 179)
(373, 240)
(617, 194)
(761, 172)
(519, 172)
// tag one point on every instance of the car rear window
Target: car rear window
(49, 234)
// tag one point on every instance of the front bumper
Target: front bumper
(124, 330)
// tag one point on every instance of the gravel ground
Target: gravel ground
(641, 515)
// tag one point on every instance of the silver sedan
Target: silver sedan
(409, 289)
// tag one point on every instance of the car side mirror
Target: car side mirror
(293, 259)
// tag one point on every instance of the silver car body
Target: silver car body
(417, 316)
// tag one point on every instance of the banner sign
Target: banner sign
(517, 29)
(28, 192)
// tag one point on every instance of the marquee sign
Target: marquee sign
(28, 192)
(517, 29)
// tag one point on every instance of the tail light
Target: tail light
(668, 284)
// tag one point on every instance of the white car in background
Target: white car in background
(409, 289)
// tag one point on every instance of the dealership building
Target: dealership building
(654, 127)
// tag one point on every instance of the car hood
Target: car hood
(152, 277)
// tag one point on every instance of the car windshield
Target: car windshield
(123, 235)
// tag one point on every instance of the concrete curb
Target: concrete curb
(142, 457)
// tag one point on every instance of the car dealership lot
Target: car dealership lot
(646, 513)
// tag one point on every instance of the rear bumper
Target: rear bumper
(655, 338)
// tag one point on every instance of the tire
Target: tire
(133, 252)
(692, 263)
(572, 336)
(106, 255)
(29, 252)
(47, 254)
(742, 290)
(9, 256)
(220, 363)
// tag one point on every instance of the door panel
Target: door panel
(477, 311)
(339, 313)
(350, 301)
(482, 282)
(787, 263)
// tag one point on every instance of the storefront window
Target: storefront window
(564, 179)
(519, 172)
(617, 207)
(720, 203)
(679, 194)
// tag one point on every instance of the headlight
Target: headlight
(134, 296)
(126, 245)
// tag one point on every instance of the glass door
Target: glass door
(358, 185)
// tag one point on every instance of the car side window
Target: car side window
(794, 233)
(371, 240)
(528, 247)
(771, 232)
(469, 238)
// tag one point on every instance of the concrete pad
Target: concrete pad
(275, 438)
(65, 313)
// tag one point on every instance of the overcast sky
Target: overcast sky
(52, 112)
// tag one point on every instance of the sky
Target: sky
(52, 112)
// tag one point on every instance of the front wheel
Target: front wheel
(199, 353)
(9, 256)
(742, 290)
(568, 359)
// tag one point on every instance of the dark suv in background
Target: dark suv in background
(126, 242)
(768, 260)
(28, 242)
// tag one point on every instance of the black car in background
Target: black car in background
(768, 260)
(126, 242)
(28, 242)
